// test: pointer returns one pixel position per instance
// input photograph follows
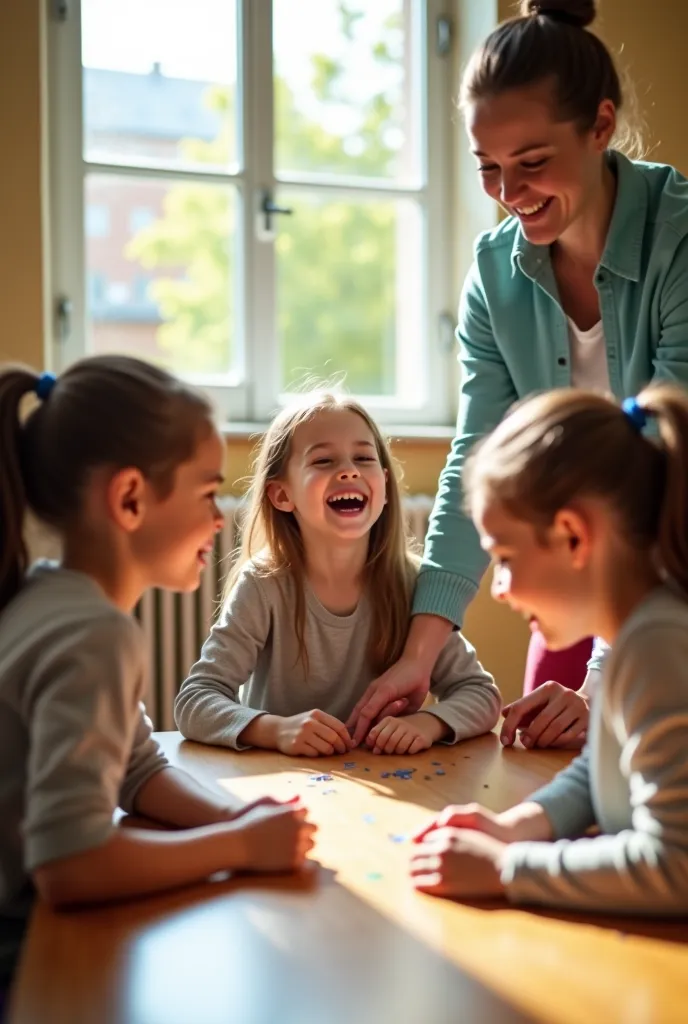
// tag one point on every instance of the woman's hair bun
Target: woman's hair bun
(579, 13)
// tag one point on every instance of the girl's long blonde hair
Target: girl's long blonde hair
(556, 448)
(272, 539)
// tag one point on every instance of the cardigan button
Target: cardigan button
(562, 360)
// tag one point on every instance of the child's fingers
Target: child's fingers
(385, 743)
(337, 733)
(451, 817)
(404, 741)
(418, 744)
(321, 743)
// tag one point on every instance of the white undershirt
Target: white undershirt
(589, 371)
(588, 358)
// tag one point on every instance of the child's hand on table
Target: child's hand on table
(407, 734)
(275, 838)
(312, 734)
(458, 862)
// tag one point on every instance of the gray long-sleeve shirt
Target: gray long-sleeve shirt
(631, 780)
(74, 740)
(250, 665)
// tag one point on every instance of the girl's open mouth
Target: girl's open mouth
(348, 503)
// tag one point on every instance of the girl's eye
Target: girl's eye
(321, 462)
(487, 168)
(366, 458)
(533, 165)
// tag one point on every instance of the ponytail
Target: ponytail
(104, 411)
(15, 384)
(668, 405)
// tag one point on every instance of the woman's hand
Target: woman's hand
(551, 716)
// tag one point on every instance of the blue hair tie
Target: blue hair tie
(44, 385)
(635, 412)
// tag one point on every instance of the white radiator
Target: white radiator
(175, 625)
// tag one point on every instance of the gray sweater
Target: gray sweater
(74, 740)
(250, 666)
(631, 780)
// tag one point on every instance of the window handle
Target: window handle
(269, 209)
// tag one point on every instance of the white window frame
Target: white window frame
(254, 396)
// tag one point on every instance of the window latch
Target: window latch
(63, 314)
(270, 209)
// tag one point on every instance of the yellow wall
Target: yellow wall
(653, 50)
(21, 234)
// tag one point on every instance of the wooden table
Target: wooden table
(351, 942)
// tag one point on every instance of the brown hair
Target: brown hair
(103, 411)
(548, 42)
(565, 445)
(272, 539)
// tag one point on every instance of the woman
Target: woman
(584, 284)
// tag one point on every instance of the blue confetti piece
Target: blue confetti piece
(321, 778)
(349, 764)
(374, 876)
(384, 775)
(440, 771)
(369, 819)
(395, 838)
(403, 773)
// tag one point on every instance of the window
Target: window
(97, 220)
(277, 199)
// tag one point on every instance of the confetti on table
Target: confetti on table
(321, 778)
(403, 773)
(396, 838)
(349, 764)
(384, 775)
(369, 819)
(440, 771)
(330, 789)
(374, 876)
(366, 769)
(428, 778)
(435, 763)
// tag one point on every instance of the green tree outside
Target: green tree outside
(335, 256)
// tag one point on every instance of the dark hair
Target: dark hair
(549, 42)
(565, 445)
(103, 411)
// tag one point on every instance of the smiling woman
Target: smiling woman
(585, 283)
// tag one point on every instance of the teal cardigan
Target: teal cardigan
(513, 340)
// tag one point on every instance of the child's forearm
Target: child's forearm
(137, 862)
(526, 822)
(174, 797)
(263, 732)
(434, 728)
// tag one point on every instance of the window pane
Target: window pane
(160, 81)
(162, 286)
(349, 281)
(344, 83)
